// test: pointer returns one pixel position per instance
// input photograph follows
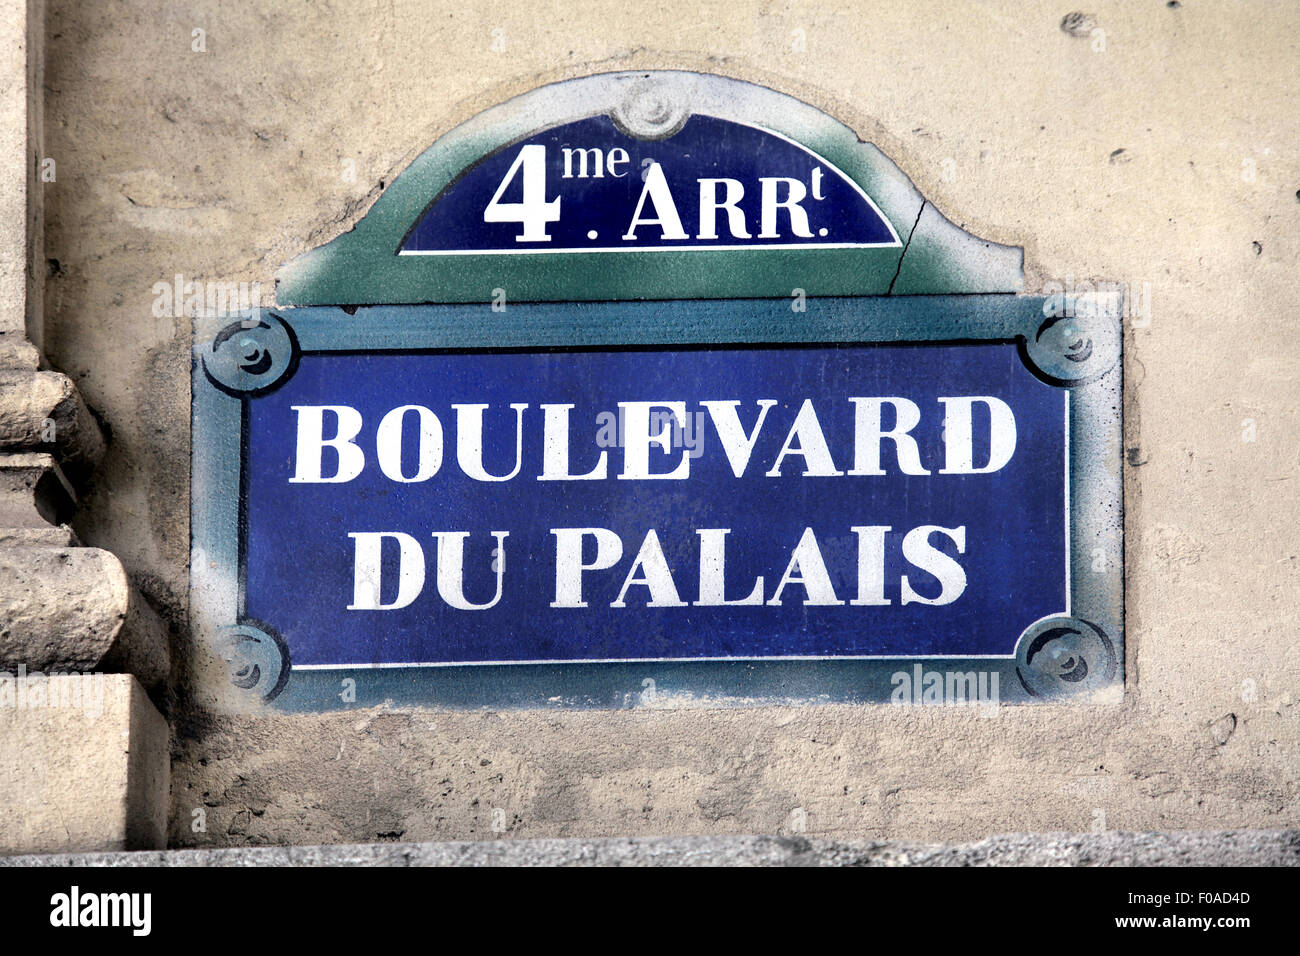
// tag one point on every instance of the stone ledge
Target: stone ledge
(44, 410)
(18, 353)
(1173, 848)
(33, 491)
(73, 609)
(51, 536)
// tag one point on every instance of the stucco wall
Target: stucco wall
(1156, 147)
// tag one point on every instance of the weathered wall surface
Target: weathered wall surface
(1150, 143)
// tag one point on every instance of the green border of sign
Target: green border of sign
(361, 267)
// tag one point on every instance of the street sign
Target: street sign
(607, 402)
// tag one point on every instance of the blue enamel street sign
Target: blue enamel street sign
(425, 490)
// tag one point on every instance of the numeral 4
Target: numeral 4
(534, 212)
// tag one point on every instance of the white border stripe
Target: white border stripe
(663, 660)
(569, 251)
(1068, 586)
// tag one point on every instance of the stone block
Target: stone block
(33, 491)
(73, 609)
(83, 764)
(43, 410)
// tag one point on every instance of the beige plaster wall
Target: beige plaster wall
(1160, 151)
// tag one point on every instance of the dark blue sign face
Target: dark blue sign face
(588, 187)
(651, 504)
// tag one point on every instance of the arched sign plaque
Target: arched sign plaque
(653, 388)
